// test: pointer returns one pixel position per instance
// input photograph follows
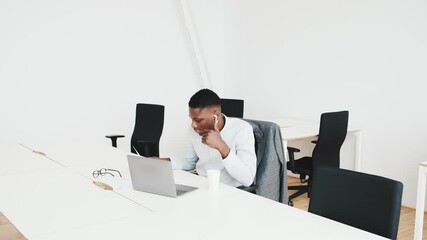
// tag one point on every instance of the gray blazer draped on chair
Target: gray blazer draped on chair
(271, 175)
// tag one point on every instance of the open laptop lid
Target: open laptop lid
(152, 175)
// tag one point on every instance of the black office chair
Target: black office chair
(368, 202)
(148, 129)
(232, 107)
(332, 133)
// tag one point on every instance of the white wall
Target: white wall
(301, 58)
(207, 18)
(76, 69)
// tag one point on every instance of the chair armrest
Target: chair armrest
(114, 139)
(291, 152)
(315, 141)
(252, 188)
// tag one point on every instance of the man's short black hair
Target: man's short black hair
(204, 98)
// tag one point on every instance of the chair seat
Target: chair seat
(302, 165)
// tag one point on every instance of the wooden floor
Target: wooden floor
(406, 226)
(8, 231)
(407, 215)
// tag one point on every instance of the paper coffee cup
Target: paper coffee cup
(213, 179)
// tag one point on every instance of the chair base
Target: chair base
(301, 191)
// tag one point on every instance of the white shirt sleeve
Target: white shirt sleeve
(241, 163)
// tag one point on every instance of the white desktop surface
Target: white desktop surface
(42, 203)
(15, 159)
(64, 204)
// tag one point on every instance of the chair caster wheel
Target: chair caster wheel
(290, 203)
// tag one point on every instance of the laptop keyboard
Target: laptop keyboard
(179, 192)
(181, 189)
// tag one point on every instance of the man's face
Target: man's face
(202, 118)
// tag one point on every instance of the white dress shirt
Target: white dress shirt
(238, 168)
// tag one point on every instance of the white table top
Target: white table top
(15, 159)
(41, 203)
(62, 203)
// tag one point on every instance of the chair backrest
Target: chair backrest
(368, 202)
(271, 171)
(232, 107)
(148, 129)
(332, 133)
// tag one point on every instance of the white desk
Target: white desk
(421, 196)
(14, 159)
(298, 129)
(64, 204)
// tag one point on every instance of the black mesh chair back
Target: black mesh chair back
(148, 129)
(332, 133)
(232, 107)
(368, 202)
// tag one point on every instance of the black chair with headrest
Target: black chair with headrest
(232, 107)
(332, 133)
(148, 129)
(368, 202)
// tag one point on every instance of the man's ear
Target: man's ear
(216, 113)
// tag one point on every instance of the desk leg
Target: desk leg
(285, 150)
(419, 212)
(358, 151)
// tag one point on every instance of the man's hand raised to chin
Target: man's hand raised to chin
(213, 139)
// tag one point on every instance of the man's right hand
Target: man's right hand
(159, 158)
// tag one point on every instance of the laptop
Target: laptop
(155, 176)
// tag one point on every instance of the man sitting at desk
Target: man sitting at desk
(218, 142)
